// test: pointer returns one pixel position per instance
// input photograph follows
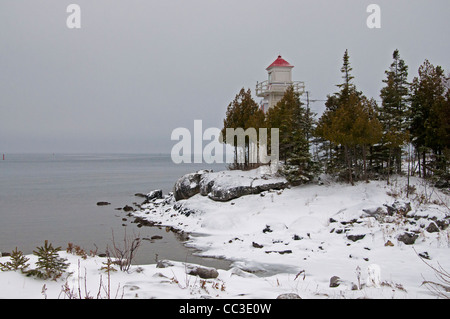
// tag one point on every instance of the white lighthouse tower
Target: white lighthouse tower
(280, 78)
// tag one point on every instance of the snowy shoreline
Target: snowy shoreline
(326, 240)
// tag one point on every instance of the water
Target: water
(54, 197)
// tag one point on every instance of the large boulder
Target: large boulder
(222, 192)
(226, 185)
(187, 186)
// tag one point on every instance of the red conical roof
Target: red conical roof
(280, 62)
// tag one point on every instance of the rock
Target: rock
(335, 281)
(156, 237)
(128, 209)
(432, 228)
(202, 272)
(281, 252)
(103, 203)
(225, 186)
(398, 207)
(408, 238)
(223, 193)
(289, 296)
(143, 222)
(156, 194)
(206, 185)
(424, 255)
(256, 245)
(356, 237)
(163, 264)
(187, 186)
(267, 229)
(181, 236)
(443, 224)
(378, 213)
(179, 207)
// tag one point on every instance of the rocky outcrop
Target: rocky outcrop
(187, 186)
(223, 193)
(227, 185)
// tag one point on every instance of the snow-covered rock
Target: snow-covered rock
(187, 186)
(226, 185)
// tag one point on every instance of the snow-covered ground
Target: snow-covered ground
(287, 241)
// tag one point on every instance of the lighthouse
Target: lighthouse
(279, 79)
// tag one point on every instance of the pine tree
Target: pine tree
(18, 262)
(49, 264)
(394, 111)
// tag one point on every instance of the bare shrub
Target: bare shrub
(123, 254)
(441, 287)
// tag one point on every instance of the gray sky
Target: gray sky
(137, 69)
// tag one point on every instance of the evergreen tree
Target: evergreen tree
(49, 264)
(18, 262)
(367, 129)
(243, 112)
(294, 123)
(394, 111)
(347, 87)
(350, 124)
(429, 123)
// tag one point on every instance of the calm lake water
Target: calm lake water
(54, 197)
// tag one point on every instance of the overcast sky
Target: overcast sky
(137, 69)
